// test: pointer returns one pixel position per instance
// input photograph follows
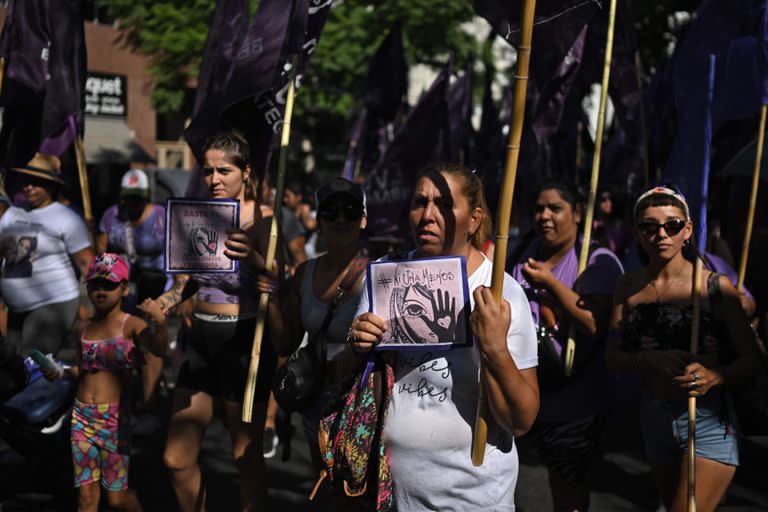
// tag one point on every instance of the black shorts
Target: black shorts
(570, 448)
(217, 358)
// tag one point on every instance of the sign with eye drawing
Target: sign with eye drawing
(195, 231)
(424, 302)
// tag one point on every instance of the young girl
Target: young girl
(106, 354)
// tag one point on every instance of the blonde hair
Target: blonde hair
(471, 187)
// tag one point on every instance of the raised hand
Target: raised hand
(153, 310)
(443, 322)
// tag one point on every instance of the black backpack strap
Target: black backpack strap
(713, 286)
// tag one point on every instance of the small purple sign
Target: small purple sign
(195, 231)
(424, 302)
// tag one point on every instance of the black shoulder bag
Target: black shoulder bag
(300, 380)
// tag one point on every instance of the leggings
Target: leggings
(45, 328)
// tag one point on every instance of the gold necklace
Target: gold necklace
(655, 289)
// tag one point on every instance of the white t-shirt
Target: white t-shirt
(35, 246)
(432, 414)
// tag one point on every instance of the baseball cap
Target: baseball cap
(341, 187)
(134, 183)
(108, 266)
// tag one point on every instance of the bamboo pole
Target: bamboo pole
(253, 368)
(752, 200)
(579, 152)
(696, 301)
(2, 72)
(505, 207)
(570, 348)
(84, 188)
(643, 127)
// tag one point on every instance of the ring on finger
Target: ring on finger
(695, 376)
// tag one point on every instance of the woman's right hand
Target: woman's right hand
(666, 363)
(366, 332)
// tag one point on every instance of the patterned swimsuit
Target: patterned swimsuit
(95, 453)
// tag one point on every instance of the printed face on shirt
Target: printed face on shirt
(224, 179)
(441, 220)
(662, 231)
(555, 220)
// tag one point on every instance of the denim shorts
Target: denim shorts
(665, 428)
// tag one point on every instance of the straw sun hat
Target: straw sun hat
(42, 166)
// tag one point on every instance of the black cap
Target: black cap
(341, 187)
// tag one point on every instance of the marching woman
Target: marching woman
(219, 342)
(316, 283)
(428, 427)
(38, 245)
(651, 335)
(568, 430)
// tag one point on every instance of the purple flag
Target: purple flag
(764, 52)
(64, 103)
(26, 42)
(387, 82)
(254, 71)
(488, 152)
(420, 140)
(356, 142)
(225, 35)
(459, 115)
(726, 30)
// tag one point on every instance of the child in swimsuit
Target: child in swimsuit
(106, 355)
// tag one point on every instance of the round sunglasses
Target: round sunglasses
(671, 227)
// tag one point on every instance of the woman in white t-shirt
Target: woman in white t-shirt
(38, 245)
(434, 399)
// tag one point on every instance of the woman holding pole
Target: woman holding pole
(219, 341)
(572, 417)
(432, 411)
(651, 327)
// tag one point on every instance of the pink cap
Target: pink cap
(109, 266)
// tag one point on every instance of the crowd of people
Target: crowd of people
(629, 312)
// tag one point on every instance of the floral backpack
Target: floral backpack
(350, 439)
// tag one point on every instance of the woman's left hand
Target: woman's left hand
(537, 273)
(490, 322)
(697, 380)
(237, 245)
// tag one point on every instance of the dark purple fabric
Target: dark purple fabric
(718, 264)
(420, 140)
(488, 151)
(387, 81)
(356, 143)
(254, 71)
(459, 115)
(64, 101)
(721, 29)
(764, 53)
(26, 42)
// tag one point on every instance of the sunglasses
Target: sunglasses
(102, 285)
(671, 227)
(348, 211)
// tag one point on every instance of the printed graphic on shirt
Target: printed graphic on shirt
(19, 252)
(430, 370)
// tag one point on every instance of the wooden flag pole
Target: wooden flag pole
(84, 189)
(570, 348)
(2, 72)
(505, 207)
(752, 200)
(258, 335)
(696, 317)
